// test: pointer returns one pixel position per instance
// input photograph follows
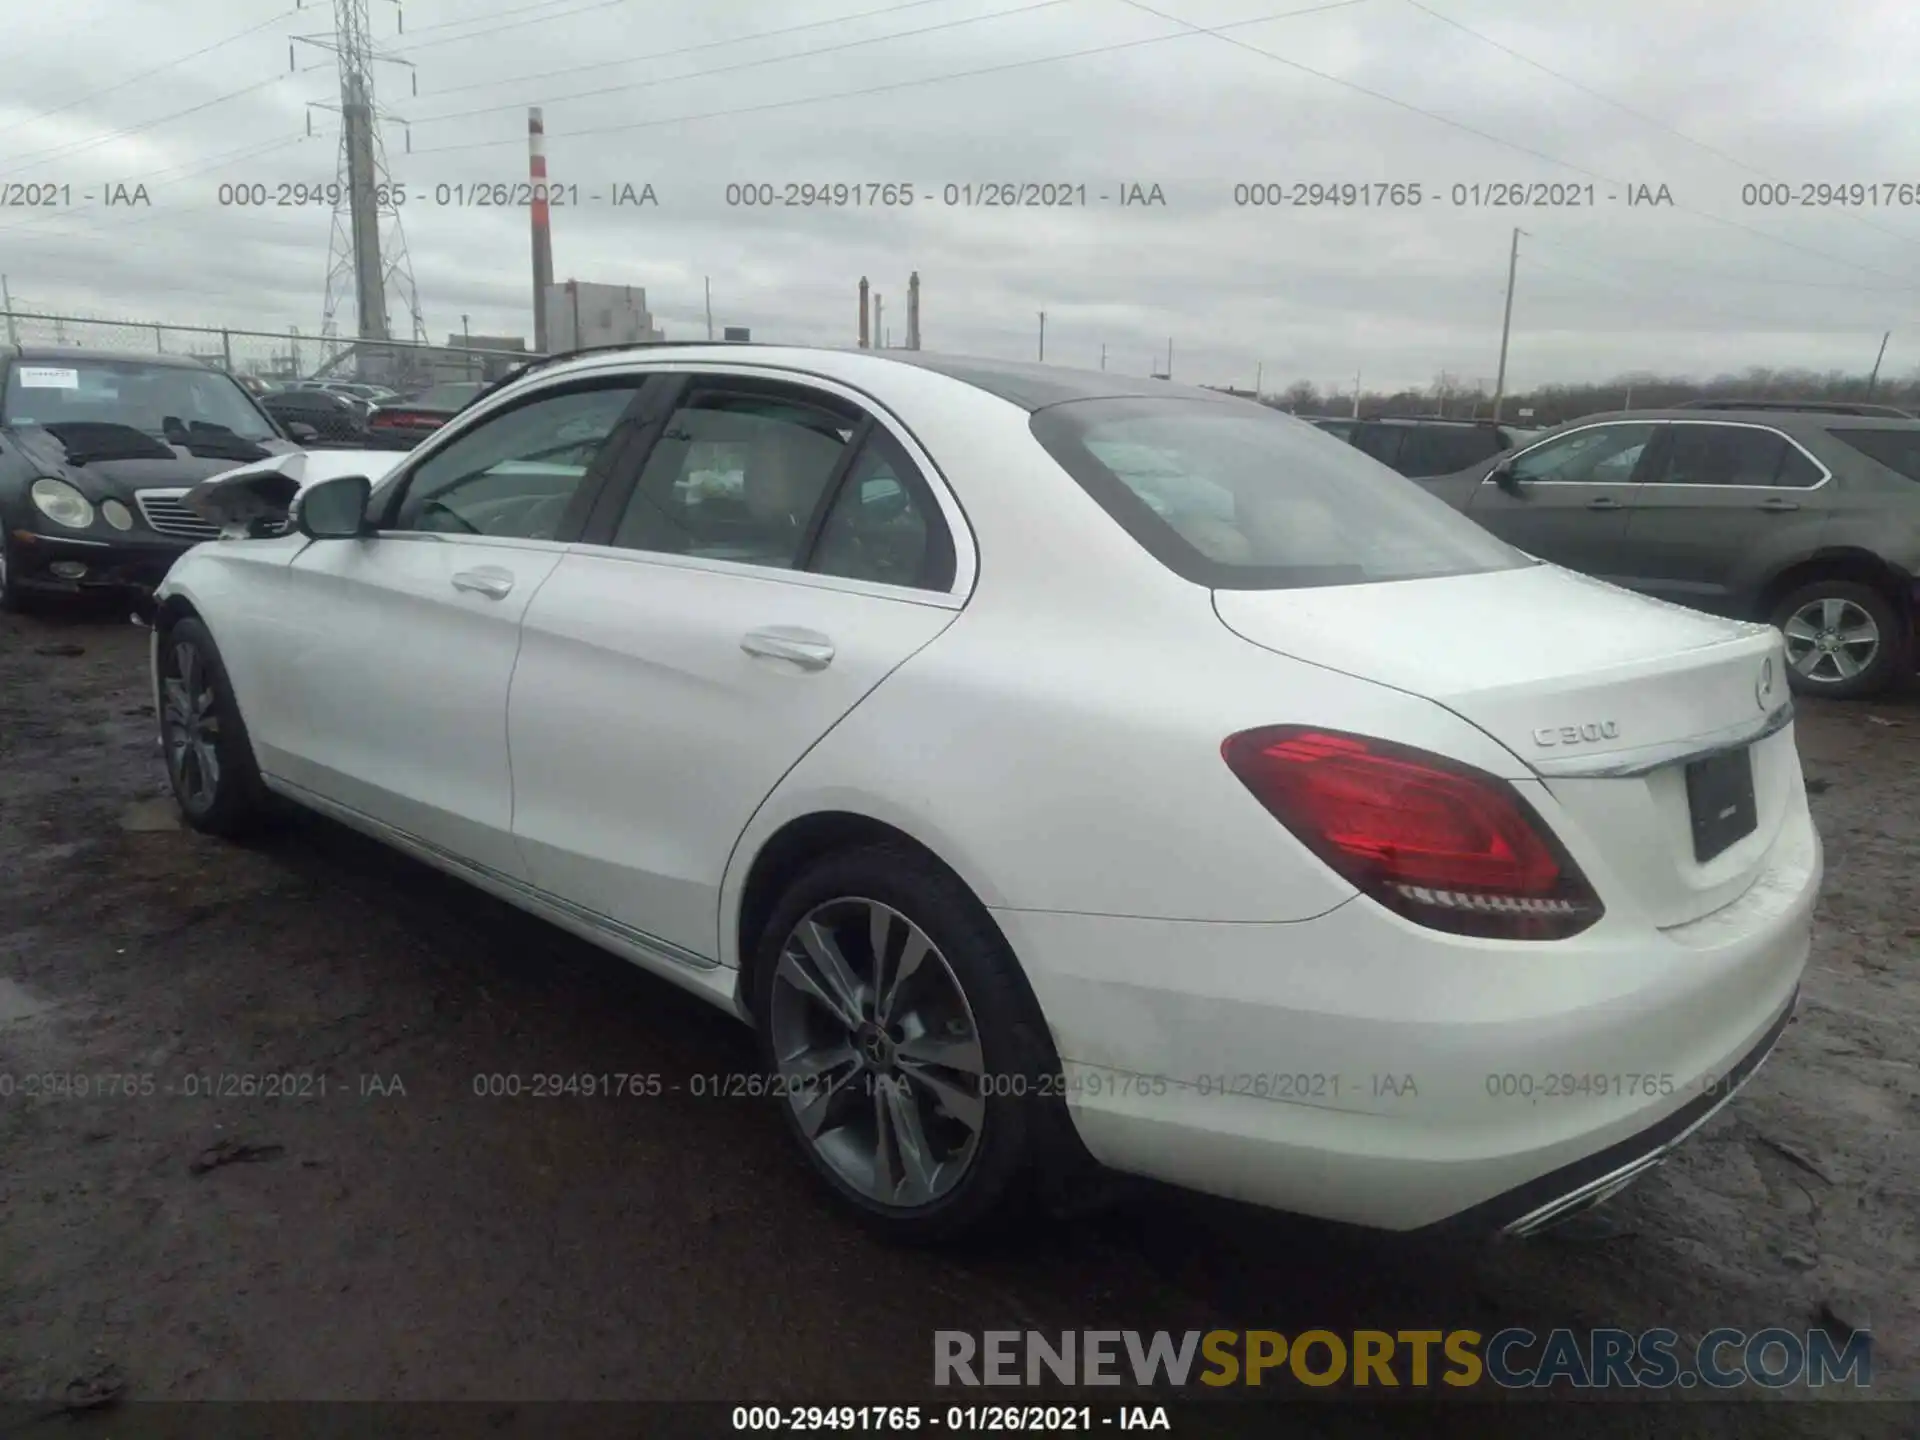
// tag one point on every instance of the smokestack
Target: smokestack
(542, 234)
(879, 335)
(913, 311)
(863, 313)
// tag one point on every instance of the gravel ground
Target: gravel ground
(401, 1238)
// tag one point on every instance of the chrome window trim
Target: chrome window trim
(1826, 472)
(774, 574)
(1624, 764)
(966, 555)
(966, 558)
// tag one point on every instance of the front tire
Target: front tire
(208, 753)
(910, 1065)
(1843, 639)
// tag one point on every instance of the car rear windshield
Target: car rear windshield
(1241, 497)
(446, 397)
(159, 399)
(1896, 449)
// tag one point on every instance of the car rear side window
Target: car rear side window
(884, 524)
(1240, 497)
(1746, 455)
(1898, 450)
(737, 476)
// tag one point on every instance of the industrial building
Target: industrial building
(580, 314)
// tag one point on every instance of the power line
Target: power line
(690, 49)
(148, 74)
(1501, 141)
(1857, 288)
(885, 88)
(487, 16)
(1626, 109)
(61, 152)
(745, 64)
(515, 24)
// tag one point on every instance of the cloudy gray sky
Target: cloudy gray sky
(1705, 98)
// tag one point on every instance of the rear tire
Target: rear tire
(915, 1085)
(208, 753)
(1844, 639)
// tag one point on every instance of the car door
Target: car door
(1722, 505)
(1567, 497)
(779, 551)
(388, 695)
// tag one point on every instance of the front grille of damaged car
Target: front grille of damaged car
(166, 515)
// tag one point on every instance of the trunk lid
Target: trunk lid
(1572, 675)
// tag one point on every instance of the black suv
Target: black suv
(1421, 445)
(1807, 519)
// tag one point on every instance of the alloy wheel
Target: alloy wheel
(1831, 640)
(878, 1052)
(190, 726)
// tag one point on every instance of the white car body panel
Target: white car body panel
(645, 736)
(597, 747)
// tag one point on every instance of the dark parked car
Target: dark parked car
(402, 424)
(335, 419)
(1424, 444)
(1809, 407)
(96, 451)
(1809, 520)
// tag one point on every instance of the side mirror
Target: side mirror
(332, 509)
(301, 433)
(1503, 476)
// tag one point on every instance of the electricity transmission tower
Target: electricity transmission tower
(366, 219)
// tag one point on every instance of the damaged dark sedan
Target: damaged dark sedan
(97, 450)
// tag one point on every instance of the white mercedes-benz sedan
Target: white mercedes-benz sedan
(1051, 767)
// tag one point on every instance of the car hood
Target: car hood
(147, 461)
(237, 497)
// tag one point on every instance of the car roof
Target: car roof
(1026, 384)
(48, 354)
(1791, 420)
(1432, 420)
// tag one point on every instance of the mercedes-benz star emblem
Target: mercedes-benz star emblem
(1763, 687)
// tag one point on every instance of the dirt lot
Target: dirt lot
(403, 1238)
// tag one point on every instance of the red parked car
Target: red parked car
(402, 424)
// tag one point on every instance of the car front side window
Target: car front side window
(1598, 455)
(515, 473)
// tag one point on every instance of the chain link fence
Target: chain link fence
(274, 357)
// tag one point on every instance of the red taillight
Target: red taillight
(407, 418)
(1442, 843)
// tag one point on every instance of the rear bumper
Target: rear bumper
(1360, 1069)
(1539, 1204)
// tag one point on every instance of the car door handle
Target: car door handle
(808, 649)
(1604, 502)
(1777, 505)
(490, 581)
